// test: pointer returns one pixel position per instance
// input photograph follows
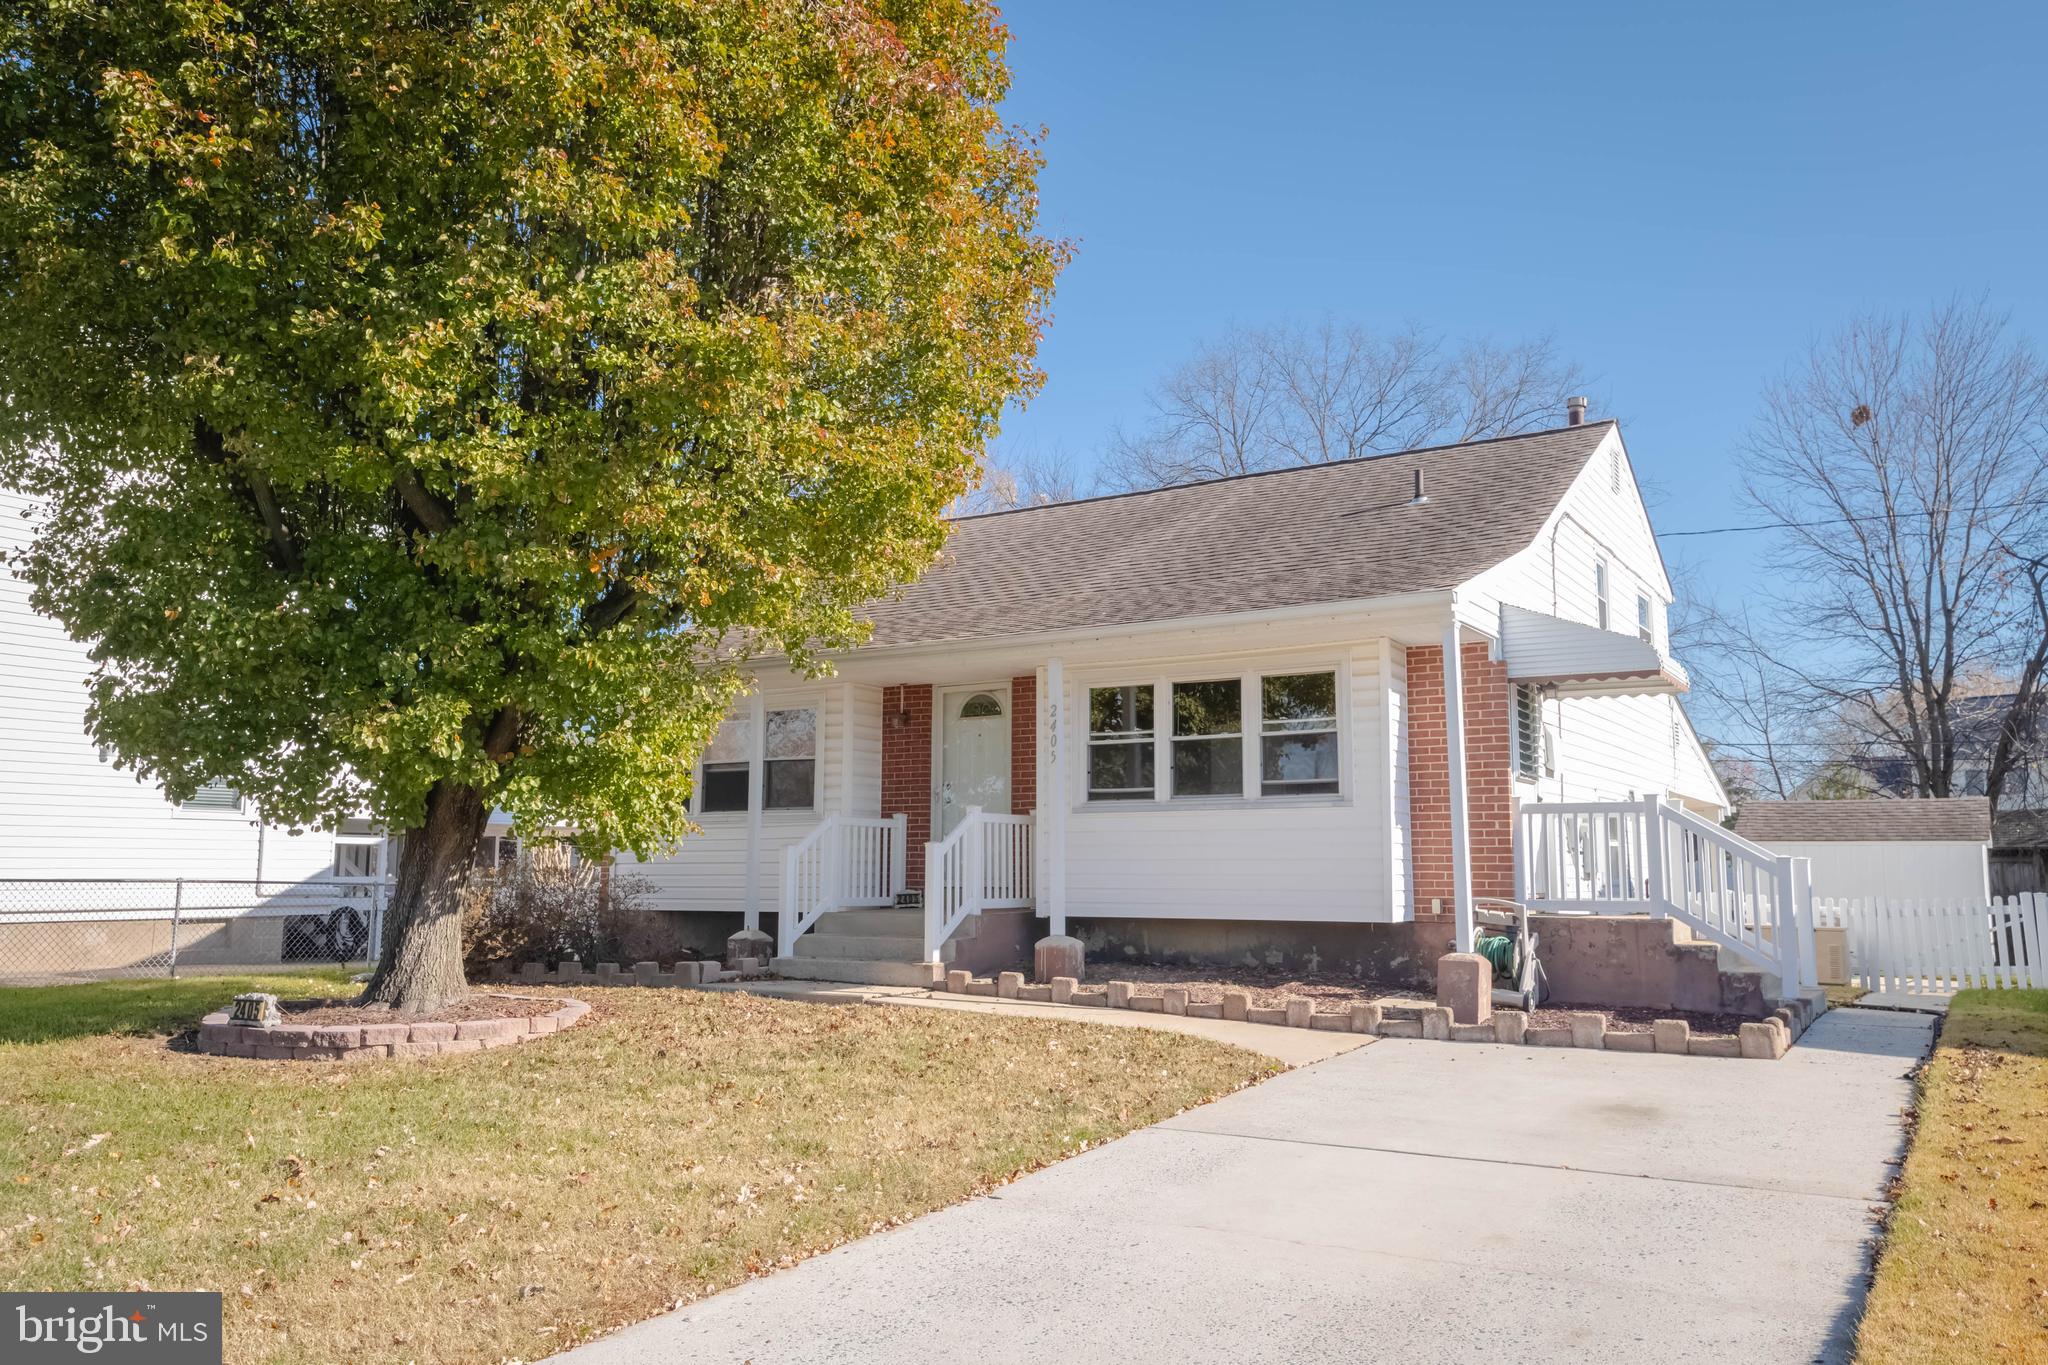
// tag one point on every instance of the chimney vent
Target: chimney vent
(1421, 491)
(1575, 411)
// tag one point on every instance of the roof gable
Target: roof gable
(1341, 532)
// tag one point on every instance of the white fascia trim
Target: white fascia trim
(1086, 635)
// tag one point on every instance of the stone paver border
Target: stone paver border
(1764, 1040)
(219, 1037)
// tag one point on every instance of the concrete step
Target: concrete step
(882, 924)
(854, 948)
(865, 923)
(860, 973)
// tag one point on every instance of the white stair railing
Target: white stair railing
(1649, 857)
(847, 863)
(984, 864)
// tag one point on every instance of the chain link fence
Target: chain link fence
(53, 932)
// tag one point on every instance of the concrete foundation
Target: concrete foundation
(1616, 960)
(1389, 952)
(748, 944)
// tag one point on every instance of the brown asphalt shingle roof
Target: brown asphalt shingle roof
(1956, 817)
(1293, 537)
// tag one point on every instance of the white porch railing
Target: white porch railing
(848, 862)
(1648, 857)
(984, 864)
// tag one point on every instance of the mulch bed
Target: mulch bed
(477, 1005)
(1269, 988)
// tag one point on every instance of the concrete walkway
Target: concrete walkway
(1410, 1201)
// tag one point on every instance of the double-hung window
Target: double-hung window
(1208, 738)
(1644, 630)
(1600, 592)
(1120, 744)
(1298, 734)
(789, 760)
(724, 784)
(788, 747)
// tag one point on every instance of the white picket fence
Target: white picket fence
(1921, 947)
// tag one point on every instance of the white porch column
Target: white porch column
(757, 720)
(1053, 789)
(1454, 753)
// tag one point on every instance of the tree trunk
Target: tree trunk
(420, 967)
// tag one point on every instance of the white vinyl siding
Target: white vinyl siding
(65, 811)
(1313, 858)
(708, 870)
(1606, 748)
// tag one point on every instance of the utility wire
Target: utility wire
(1836, 521)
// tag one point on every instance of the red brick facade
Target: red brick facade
(1023, 744)
(1490, 795)
(907, 768)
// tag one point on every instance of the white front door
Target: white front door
(974, 753)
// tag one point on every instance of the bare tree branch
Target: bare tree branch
(1910, 459)
(1272, 397)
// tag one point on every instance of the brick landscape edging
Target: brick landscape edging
(1764, 1040)
(639, 974)
(366, 1042)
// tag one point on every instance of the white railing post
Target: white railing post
(1653, 855)
(899, 853)
(785, 919)
(1802, 906)
(1785, 932)
(935, 878)
(974, 864)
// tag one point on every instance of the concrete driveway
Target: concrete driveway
(1413, 1202)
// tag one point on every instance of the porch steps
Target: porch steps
(870, 948)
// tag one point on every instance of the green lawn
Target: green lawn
(502, 1205)
(1964, 1274)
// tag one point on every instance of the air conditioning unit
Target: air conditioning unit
(1831, 953)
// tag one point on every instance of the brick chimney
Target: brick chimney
(1575, 411)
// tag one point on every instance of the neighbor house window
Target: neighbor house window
(1528, 732)
(724, 785)
(1120, 744)
(1644, 631)
(1600, 592)
(1298, 734)
(1208, 738)
(215, 795)
(789, 760)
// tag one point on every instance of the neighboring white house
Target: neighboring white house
(1882, 848)
(67, 812)
(1213, 717)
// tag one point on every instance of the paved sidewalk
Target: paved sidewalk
(1411, 1201)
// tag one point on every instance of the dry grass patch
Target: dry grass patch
(1964, 1274)
(503, 1205)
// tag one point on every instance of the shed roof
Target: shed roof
(1960, 818)
(1338, 532)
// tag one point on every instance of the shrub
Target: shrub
(546, 909)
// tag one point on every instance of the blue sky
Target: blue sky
(1684, 196)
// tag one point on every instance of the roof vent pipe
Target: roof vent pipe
(1575, 411)
(1421, 491)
